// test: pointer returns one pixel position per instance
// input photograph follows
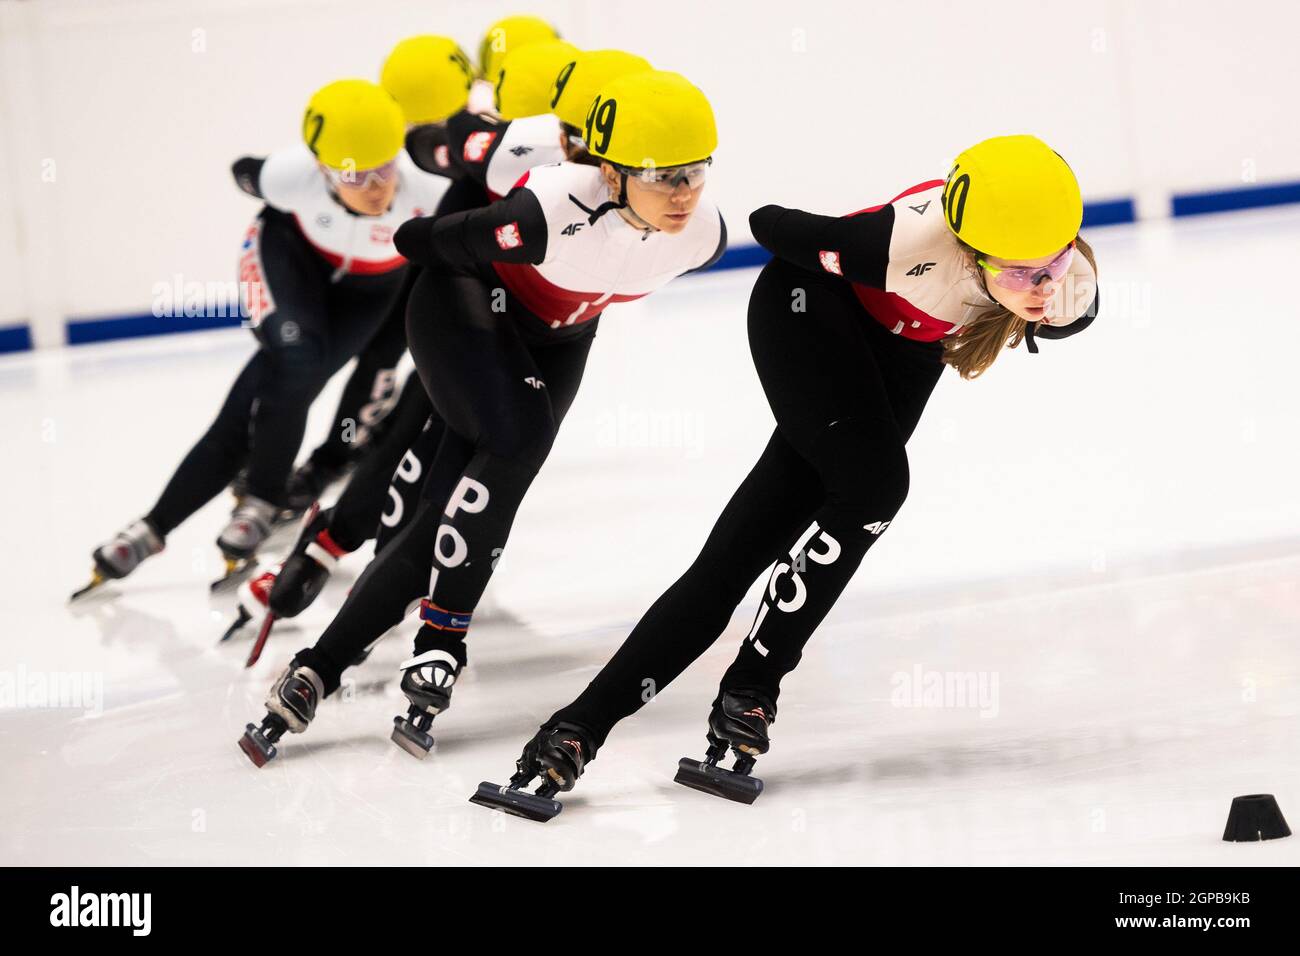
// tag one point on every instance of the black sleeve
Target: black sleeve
(1074, 328)
(512, 229)
(424, 144)
(861, 242)
(247, 171)
(717, 253)
(459, 129)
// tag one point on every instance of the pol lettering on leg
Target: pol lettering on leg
(460, 500)
(801, 548)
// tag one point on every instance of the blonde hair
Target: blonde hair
(981, 340)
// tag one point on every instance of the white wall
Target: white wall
(138, 107)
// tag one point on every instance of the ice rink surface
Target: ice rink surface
(1078, 641)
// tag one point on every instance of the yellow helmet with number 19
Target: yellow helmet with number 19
(353, 124)
(650, 119)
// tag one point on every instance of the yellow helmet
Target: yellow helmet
(510, 34)
(527, 75)
(650, 119)
(353, 124)
(578, 81)
(429, 76)
(1013, 197)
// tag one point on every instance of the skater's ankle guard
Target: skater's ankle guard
(443, 620)
(452, 642)
(329, 672)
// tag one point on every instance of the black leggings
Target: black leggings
(846, 394)
(367, 398)
(498, 399)
(313, 327)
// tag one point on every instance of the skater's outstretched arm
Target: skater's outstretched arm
(512, 229)
(860, 242)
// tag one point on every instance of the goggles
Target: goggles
(666, 178)
(1024, 279)
(361, 178)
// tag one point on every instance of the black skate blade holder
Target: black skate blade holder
(1255, 817)
(539, 806)
(411, 733)
(707, 777)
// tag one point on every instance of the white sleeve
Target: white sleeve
(289, 177)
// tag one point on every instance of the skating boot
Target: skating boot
(249, 526)
(290, 706)
(557, 754)
(117, 558)
(738, 721)
(427, 680)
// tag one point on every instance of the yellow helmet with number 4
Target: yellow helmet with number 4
(651, 119)
(353, 124)
(1013, 197)
(523, 83)
(580, 80)
(508, 35)
(429, 76)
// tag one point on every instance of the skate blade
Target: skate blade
(256, 747)
(411, 738)
(696, 774)
(243, 618)
(97, 580)
(519, 803)
(236, 572)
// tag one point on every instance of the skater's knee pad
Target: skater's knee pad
(864, 469)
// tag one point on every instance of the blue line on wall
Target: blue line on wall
(82, 331)
(1243, 197)
(15, 338)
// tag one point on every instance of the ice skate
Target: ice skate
(738, 722)
(558, 755)
(290, 706)
(117, 558)
(250, 525)
(427, 681)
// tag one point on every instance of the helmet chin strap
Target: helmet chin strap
(621, 203)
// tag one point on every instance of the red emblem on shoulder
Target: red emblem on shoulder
(830, 261)
(508, 236)
(477, 146)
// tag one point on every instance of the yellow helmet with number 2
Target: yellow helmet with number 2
(508, 35)
(353, 124)
(651, 119)
(523, 83)
(580, 79)
(1013, 197)
(429, 76)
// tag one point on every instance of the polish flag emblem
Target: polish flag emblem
(477, 145)
(508, 236)
(830, 261)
